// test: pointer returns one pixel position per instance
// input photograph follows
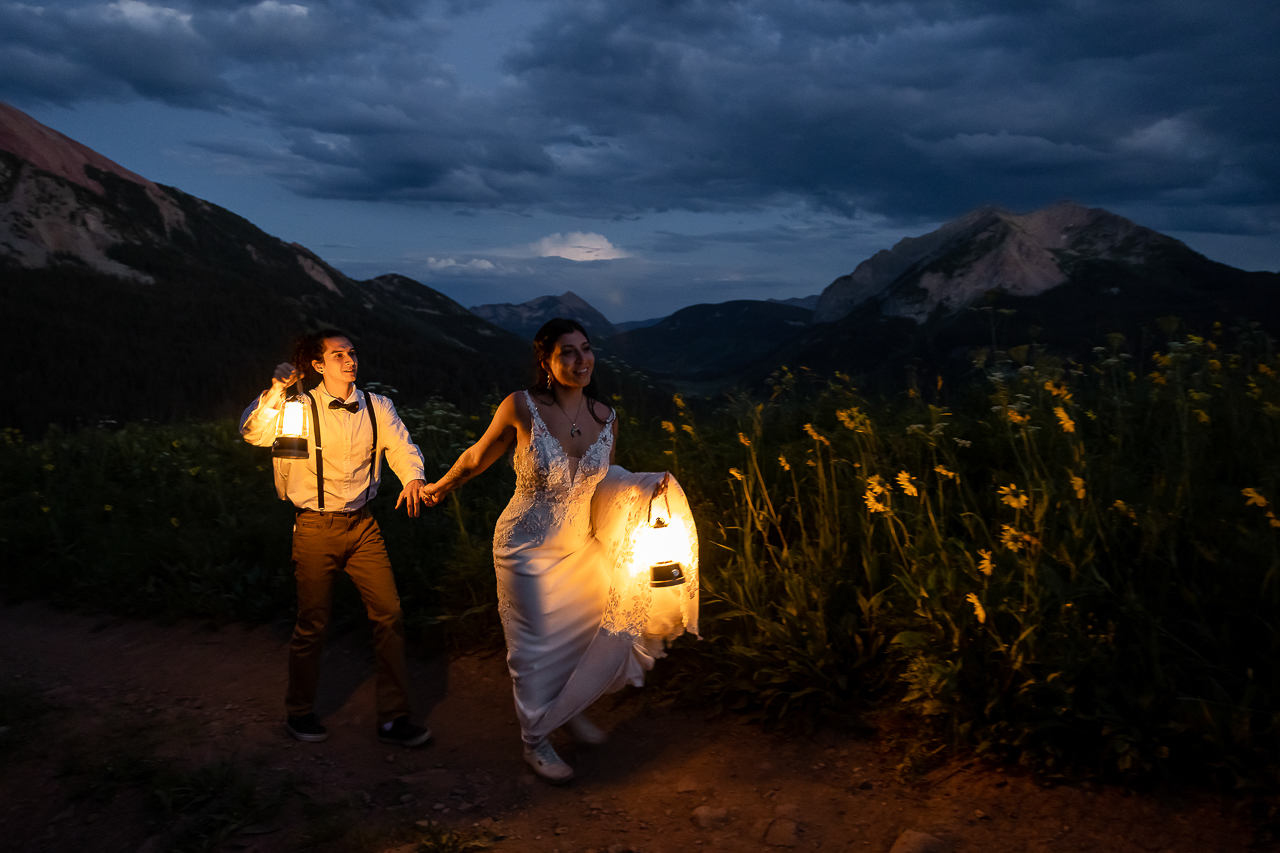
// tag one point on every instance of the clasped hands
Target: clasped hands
(418, 494)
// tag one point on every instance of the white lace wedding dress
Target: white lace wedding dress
(579, 617)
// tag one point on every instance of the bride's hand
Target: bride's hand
(432, 494)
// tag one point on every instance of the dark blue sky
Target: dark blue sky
(649, 155)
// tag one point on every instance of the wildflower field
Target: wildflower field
(1069, 564)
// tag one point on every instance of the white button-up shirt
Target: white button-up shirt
(346, 440)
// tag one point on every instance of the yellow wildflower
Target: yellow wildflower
(669, 427)
(687, 428)
(1011, 495)
(977, 608)
(737, 475)
(904, 480)
(1158, 378)
(193, 471)
(174, 522)
(1077, 483)
(984, 564)
(1124, 509)
(950, 475)
(1214, 365)
(744, 439)
(1273, 521)
(1016, 417)
(1266, 370)
(1068, 425)
(853, 418)
(1058, 390)
(782, 460)
(815, 435)
(1011, 537)
(1202, 416)
(1254, 499)
(875, 487)
(107, 507)
(679, 401)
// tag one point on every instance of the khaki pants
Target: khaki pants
(323, 545)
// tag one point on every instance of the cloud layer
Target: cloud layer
(916, 111)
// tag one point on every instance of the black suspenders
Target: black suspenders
(373, 454)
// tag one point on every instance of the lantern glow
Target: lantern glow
(291, 431)
(661, 545)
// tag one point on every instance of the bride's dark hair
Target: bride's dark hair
(544, 346)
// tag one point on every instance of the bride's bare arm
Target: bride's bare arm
(497, 439)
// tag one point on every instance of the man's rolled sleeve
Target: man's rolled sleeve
(403, 455)
(258, 423)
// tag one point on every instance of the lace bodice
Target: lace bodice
(552, 500)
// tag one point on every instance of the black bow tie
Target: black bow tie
(350, 407)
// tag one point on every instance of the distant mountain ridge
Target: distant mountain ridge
(988, 249)
(134, 300)
(526, 318)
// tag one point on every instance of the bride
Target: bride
(578, 618)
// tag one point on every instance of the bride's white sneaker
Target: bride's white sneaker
(585, 731)
(547, 763)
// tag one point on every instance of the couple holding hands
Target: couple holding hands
(578, 621)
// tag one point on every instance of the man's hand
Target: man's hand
(284, 376)
(415, 496)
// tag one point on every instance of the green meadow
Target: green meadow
(1072, 565)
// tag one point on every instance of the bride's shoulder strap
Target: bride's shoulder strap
(535, 417)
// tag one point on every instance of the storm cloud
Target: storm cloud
(914, 111)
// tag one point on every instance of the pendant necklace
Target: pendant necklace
(574, 432)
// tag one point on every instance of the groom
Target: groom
(334, 531)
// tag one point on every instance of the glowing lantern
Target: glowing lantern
(291, 431)
(659, 542)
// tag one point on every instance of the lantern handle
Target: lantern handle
(660, 490)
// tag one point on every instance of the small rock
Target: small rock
(686, 785)
(439, 806)
(913, 841)
(709, 817)
(616, 848)
(407, 798)
(788, 810)
(782, 833)
(981, 815)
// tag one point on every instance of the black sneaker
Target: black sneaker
(404, 733)
(307, 728)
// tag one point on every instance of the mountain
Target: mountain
(711, 343)
(810, 302)
(132, 300)
(990, 249)
(1064, 277)
(628, 325)
(526, 318)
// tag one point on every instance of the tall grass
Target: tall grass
(1074, 565)
(1068, 564)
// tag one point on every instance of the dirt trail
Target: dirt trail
(142, 695)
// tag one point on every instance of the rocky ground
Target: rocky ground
(124, 736)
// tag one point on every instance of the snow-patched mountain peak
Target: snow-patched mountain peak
(526, 318)
(984, 250)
